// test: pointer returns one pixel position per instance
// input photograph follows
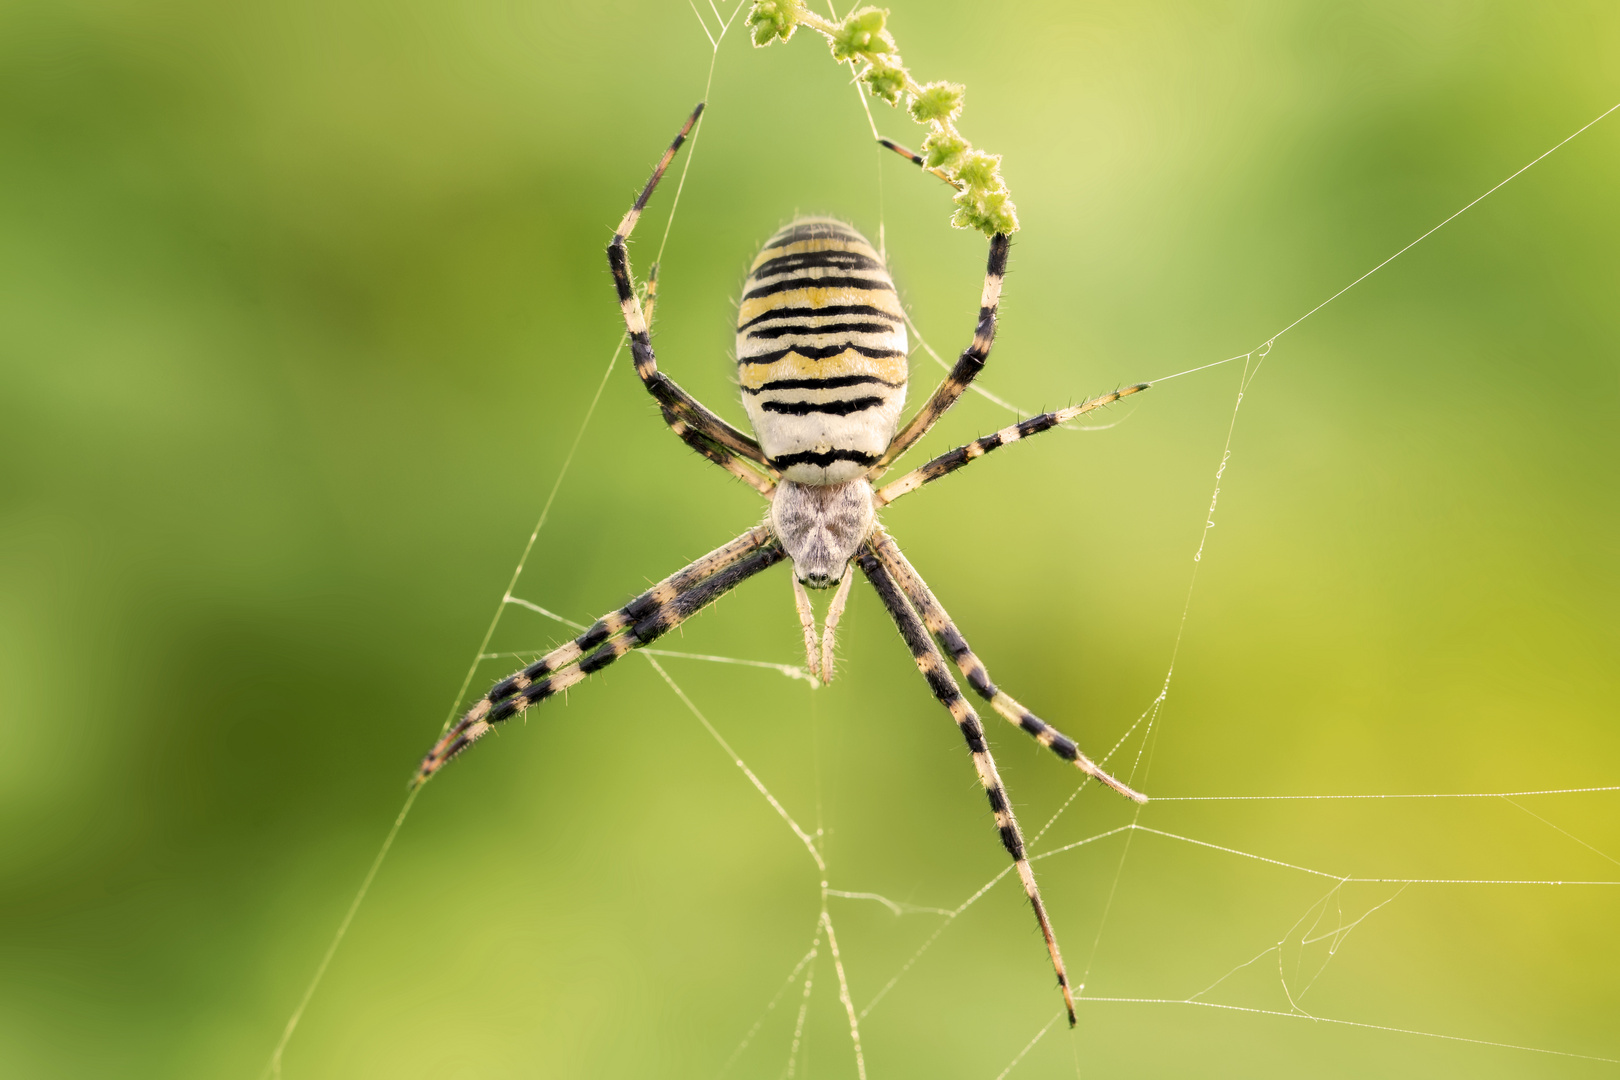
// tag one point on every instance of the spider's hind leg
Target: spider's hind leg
(939, 624)
(932, 665)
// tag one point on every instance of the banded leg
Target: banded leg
(719, 455)
(948, 463)
(688, 434)
(967, 366)
(939, 624)
(917, 160)
(644, 619)
(674, 401)
(932, 665)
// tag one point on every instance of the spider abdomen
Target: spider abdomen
(821, 352)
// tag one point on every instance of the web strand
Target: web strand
(1089, 999)
(273, 1067)
(804, 838)
(1039, 1035)
(1493, 189)
(1416, 795)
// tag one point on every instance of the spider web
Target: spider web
(776, 1042)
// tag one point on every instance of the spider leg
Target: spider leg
(932, 665)
(829, 633)
(939, 624)
(719, 455)
(948, 463)
(676, 403)
(917, 160)
(807, 622)
(967, 366)
(690, 435)
(646, 618)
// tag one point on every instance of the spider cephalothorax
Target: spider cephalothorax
(821, 356)
(822, 526)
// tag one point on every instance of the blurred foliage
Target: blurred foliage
(303, 305)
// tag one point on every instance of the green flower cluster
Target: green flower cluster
(862, 40)
(772, 19)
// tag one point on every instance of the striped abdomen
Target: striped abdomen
(821, 352)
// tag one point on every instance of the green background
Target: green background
(303, 304)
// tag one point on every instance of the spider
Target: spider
(821, 357)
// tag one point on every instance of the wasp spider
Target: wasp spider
(821, 357)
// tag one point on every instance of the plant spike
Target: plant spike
(861, 39)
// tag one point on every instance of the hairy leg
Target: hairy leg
(644, 619)
(676, 403)
(967, 366)
(932, 666)
(829, 633)
(948, 463)
(939, 624)
(807, 623)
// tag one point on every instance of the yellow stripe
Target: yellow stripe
(793, 366)
(883, 299)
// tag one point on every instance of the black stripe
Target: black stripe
(821, 384)
(597, 633)
(979, 679)
(831, 408)
(811, 457)
(815, 230)
(789, 284)
(952, 639)
(505, 709)
(830, 309)
(831, 328)
(461, 743)
(1064, 747)
(597, 660)
(620, 266)
(1012, 842)
(971, 731)
(843, 259)
(507, 686)
(810, 352)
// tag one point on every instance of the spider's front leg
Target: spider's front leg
(697, 425)
(932, 665)
(646, 618)
(968, 365)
